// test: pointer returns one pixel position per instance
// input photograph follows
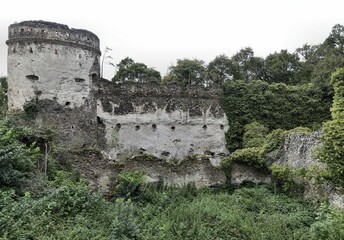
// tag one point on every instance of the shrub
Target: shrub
(17, 159)
(332, 149)
(329, 224)
(254, 134)
(129, 184)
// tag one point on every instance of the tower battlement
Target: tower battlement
(43, 31)
(47, 60)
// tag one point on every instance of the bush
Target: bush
(17, 159)
(254, 134)
(329, 224)
(129, 184)
(332, 149)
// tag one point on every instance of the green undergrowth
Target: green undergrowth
(71, 210)
(59, 205)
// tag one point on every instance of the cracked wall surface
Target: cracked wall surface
(169, 122)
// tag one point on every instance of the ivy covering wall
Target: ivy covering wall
(332, 149)
(274, 106)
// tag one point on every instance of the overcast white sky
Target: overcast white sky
(158, 32)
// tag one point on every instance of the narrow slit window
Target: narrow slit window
(79, 80)
(32, 77)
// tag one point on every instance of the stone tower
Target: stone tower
(50, 61)
(51, 68)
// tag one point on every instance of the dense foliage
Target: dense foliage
(70, 210)
(274, 106)
(131, 71)
(67, 208)
(309, 63)
(332, 149)
(187, 72)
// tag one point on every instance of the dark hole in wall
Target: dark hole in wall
(14, 50)
(94, 77)
(173, 128)
(99, 120)
(72, 126)
(207, 152)
(79, 80)
(204, 127)
(30, 50)
(142, 150)
(22, 30)
(165, 153)
(56, 51)
(118, 126)
(222, 126)
(67, 103)
(137, 127)
(154, 127)
(32, 77)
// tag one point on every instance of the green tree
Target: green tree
(332, 149)
(282, 67)
(188, 72)
(129, 70)
(222, 69)
(308, 58)
(250, 67)
(330, 56)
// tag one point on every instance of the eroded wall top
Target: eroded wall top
(52, 32)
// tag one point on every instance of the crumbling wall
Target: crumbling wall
(169, 122)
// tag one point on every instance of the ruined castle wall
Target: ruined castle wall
(50, 61)
(169, 122)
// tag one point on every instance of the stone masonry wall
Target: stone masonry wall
(183, 127)
(169, 122)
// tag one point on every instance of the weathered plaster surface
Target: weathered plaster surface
(50, 61)
(149, 125)
(165, 135)
(196, 170)
(242, 173)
